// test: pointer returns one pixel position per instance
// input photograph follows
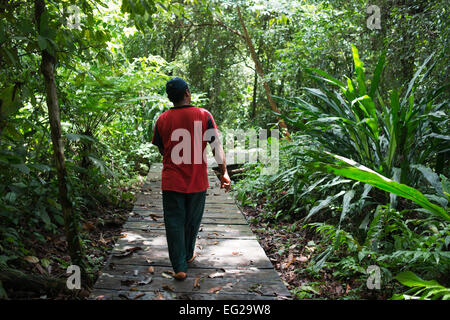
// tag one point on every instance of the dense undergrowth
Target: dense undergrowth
(329, 207)
(364, 219)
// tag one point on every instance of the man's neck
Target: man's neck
(182, 103)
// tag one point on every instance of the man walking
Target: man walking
(181, 134)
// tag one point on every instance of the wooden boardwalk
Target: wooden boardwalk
(231, 264)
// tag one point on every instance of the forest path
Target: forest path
(231, 263)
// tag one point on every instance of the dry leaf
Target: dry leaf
(31, 259)
(134, 289)
(167, 274)
(168, 288)
(100, 298)
(151, 270)
(154, 217)
(102, 240)
(214, 290)
(302, 259)
(215, 242)
(236, 253)
(216, 275)
(126, 252)
(291, 260)
(158, 296)
(229, 285)
(41, 270)
(139, 296)
(88, 226)
(196, 282)
(124, 296)
(145, 281)
(123, 235)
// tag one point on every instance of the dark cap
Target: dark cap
(176, 85)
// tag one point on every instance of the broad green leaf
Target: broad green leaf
(410, 279)
(377, 74)
(42, 42)
(356, 171)
(9, 101)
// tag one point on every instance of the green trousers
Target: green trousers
(183, 213)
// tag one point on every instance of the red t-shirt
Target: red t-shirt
(180, 135)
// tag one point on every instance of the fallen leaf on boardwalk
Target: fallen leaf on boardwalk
(255, 288)
(148, 261)
(139, 296)
(229, 285)
(100, 298)
(214, 290)
(236, 253)
(126, 252)
(158, 296)
(145, 281)
(124, 296)
(31, 259)
(215, 243)
(134, 289)
(123, 235)
(154, 217)
(216, 275)
(168, 288)
(196, 282)
(151, 270)
(167, 274)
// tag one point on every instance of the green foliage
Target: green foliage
(347, 142)
(420, 289)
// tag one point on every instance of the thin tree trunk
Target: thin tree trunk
(260, 71)
(255, 91)
(70, 221)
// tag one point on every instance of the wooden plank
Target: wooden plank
(206, 220)
(102, 294)
(226, 253)
(226, 247)
(146, 233)
(230, 281)
(226, 228)
(235, 286)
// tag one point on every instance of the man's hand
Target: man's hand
(225, 182)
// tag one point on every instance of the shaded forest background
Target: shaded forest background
(82, 83)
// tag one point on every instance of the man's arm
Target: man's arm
(225, 182)
(216, 145)
(157, 140)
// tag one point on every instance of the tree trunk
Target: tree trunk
(70, 220)
(260, 71)
(255, 91)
